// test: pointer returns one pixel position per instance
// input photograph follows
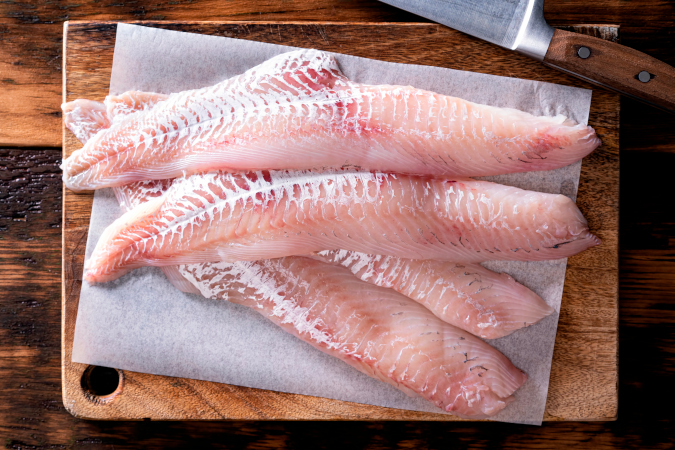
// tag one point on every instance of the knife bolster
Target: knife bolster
(535, 34)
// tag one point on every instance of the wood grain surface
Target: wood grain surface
(584, 372)
(32, 415)
(30, 87)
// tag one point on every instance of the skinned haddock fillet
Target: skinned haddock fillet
(488, 304)
(475, 299)
(298, 111)
(228, 217)
(412, 350)
(375, 330)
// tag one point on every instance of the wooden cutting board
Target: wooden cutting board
(584, 374)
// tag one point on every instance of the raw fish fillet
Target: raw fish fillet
(488, 304)
(407, 348)
(485, 303)
(228, 217)
(298, 111)
(326, 307)
(375, 330)
(469, 296)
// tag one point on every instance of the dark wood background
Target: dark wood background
(31, 412)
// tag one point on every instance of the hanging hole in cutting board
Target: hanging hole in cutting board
(101, 384)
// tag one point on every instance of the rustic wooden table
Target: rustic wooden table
(31, 411)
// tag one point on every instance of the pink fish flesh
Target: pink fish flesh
(227, 217)
(298, 111)
(326, 307)
(375, 330)
(456, 372)
(487, 304)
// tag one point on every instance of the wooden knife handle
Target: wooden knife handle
(613, 66)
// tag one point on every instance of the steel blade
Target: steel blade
(496, 21)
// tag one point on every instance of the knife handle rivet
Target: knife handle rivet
(584, 52)
(644, 76)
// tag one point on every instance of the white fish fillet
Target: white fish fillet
(298, 111)
(376, 330)
(407, 347)
(227, 217)
(358, 324)
(487, 304)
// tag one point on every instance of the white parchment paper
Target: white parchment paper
(142, 323)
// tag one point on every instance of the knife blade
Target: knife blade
(519, 25)
(502, 22)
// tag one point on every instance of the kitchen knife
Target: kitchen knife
(520, 25)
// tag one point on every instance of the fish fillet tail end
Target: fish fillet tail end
(482, 402)
(106, 262)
